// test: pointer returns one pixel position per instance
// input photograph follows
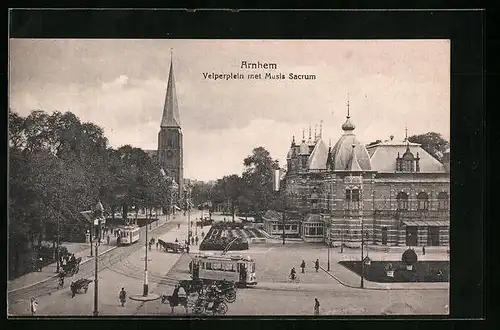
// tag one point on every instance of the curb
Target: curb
(372, 288)
(55, 275)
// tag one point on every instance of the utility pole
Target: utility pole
(97, 218)
(362, 247)
(145, 287)
(58, 237)
(284, 214)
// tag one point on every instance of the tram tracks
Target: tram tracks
(106, 261)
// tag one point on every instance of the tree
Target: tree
(258, 178)
(431, 142)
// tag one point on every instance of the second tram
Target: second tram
(240, 270)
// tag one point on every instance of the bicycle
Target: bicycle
(295, 280)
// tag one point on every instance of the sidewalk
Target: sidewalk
(349, 279)
(79, 249)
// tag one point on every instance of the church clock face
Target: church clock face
(169, 153)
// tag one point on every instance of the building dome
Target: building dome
(348, 126)
(342, 152)
(304, 148)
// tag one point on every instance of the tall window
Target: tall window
(442, 201)
(352, 197)
(402, 199)
(423, 201)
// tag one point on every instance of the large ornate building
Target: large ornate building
(394, 192)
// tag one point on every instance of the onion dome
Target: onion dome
(342, 152)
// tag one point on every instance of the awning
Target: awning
(426, 223)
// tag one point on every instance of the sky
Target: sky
(120, 85)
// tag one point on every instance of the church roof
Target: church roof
(319, 156)
(342, 153)
(304, 148)
(353, 164)
(384, 154)
(170, 116)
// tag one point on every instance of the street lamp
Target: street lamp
(329, 243)
(99, 210)
(362, 247)
(145, 285)
(276, 188)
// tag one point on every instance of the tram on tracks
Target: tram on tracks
(235, 268)
(128, 235)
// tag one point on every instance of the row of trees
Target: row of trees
(250, 193)
(60, 166)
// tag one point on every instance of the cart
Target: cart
(79, 286)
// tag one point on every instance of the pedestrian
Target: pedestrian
(196, 240)
(157, 244)
(303, 266)
(187, 249)
(316, 265)
(61, 280)
(192, 240)
(316, 306)
(423, 250)
(107, 239)
(33, 306)
(176, 241)
(40, 264)
(123, 297)
(182, 297)
(178, 226)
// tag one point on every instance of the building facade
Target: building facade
(393, 192)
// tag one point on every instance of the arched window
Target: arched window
(352, 197)
(442, 201)
(423, 201)
(402, 199)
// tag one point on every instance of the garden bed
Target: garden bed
(423, 271)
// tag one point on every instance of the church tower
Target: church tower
(170, 147)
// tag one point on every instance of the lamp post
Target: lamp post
(329, 243)
(145, 285)
(276, 188)
(97, 217)
(362, 247)
(58, 237)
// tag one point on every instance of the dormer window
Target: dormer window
(408, 163)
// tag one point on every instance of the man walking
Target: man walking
(33, 306)
(303, 266)
(316, 265)
(107, 239)
(316, 306)
(123, 297)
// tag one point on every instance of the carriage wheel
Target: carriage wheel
(230, 296)
(221, 309)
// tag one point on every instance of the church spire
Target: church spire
(170, 116)
(348, 126)
(321, 129)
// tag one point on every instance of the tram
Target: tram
(128, 235)
(240, 270)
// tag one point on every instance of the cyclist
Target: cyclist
(292, 274)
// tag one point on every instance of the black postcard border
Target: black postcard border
(465, 29)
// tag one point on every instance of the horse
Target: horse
(173, 302)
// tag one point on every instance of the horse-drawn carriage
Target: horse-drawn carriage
(171, 247)
(70, 268)
(79, 285)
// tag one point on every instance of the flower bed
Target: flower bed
(249, 233)
(215, 241)
(423, 271)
